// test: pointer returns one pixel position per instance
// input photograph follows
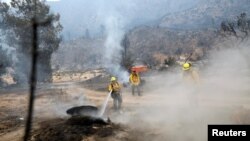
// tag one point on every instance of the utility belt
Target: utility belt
(135, 83)
(116, 91)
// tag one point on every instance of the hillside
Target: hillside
(87, 54)
(191, 31)
(157, 45)
(209, 13)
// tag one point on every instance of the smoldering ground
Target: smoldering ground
(165, 111)
(55, 103)
(176, 111)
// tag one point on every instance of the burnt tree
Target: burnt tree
(17, 19)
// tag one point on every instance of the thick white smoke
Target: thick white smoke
(59, 101)
(169, 110)
(114, 24)
(113, 48)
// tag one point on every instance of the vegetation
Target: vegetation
(239, 28)
(16, 20)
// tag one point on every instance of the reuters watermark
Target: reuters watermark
(228, 132)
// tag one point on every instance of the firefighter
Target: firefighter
(115, 89)
(135, 81)
(191, 81)
(190, 75)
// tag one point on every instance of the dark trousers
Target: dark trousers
(138, 89)
(117, 100)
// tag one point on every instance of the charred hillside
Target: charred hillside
(87, 54)
(154, 44)
(195, 31)
(209, 13)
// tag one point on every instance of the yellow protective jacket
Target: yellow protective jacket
(134, 79)
(191, 76)
(114, 86)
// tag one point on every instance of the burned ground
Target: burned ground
(154, 116)
(74, 129)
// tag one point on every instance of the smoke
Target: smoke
(12, 56)
(58, 101)
(9, 55)
(7, 1)
(112, 19)
(10, 51)
(113, 48)
(118, 17)
(231, 67)
(172, 109)
(134, 12)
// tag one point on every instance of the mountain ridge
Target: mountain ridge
(207, 14)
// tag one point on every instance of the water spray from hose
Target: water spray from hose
(104, 105)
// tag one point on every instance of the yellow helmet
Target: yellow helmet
(186, 66)
(112, 79)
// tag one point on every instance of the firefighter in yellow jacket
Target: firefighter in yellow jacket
(191, 81)
(135, 81)
(115, 89)
(190, 75)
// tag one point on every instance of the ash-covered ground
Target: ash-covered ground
(163, 112)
